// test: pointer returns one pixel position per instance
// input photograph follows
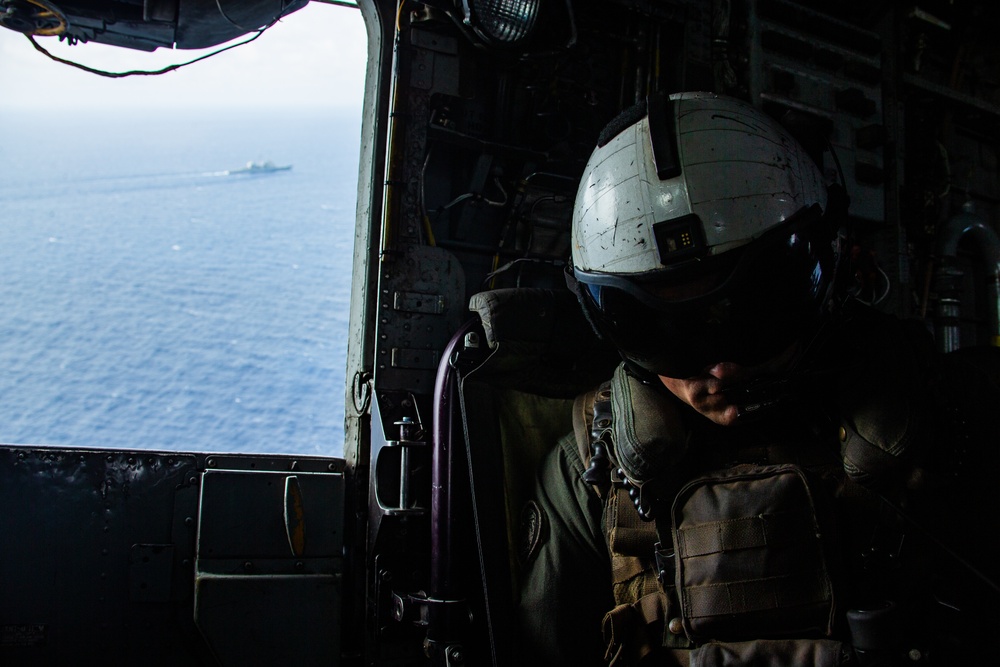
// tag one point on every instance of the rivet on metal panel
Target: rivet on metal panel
(210, 462)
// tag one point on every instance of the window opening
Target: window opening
(169, 284)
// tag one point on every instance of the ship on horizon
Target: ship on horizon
(259, 168)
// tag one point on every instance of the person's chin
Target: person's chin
(718, 409)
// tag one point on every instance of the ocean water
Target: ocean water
(149, 300)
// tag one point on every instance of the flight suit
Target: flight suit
(779, 541)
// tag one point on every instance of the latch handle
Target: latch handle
(295, 527)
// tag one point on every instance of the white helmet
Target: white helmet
(701, 234)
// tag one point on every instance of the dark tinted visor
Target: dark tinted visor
(745, 306)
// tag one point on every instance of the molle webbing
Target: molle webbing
(633, 629)
(631, 542)
(626, 630)
(750, 555)
(764, 530)
(745, 597)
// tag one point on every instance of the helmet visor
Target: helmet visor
(744, 306)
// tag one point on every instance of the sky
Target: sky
(314, 57)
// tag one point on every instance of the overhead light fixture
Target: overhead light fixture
(501, 22)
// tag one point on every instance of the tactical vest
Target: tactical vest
(741, 564)
(738, 570)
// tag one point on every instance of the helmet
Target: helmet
(701, 234)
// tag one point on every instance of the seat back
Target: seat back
(537, 353)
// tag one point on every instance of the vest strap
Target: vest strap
(627, 630)
(631, 541)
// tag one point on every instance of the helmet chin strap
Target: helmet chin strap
(641, 374)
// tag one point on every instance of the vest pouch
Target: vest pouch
(771, 653)
(749, 555)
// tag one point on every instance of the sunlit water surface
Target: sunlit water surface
(152, 300)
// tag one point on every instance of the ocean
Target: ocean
(150, 300)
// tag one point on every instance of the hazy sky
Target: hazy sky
(313, 57)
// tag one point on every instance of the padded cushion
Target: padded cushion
(542, 343)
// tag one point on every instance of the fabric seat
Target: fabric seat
(537, 354)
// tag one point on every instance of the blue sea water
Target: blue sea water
(149, 300)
